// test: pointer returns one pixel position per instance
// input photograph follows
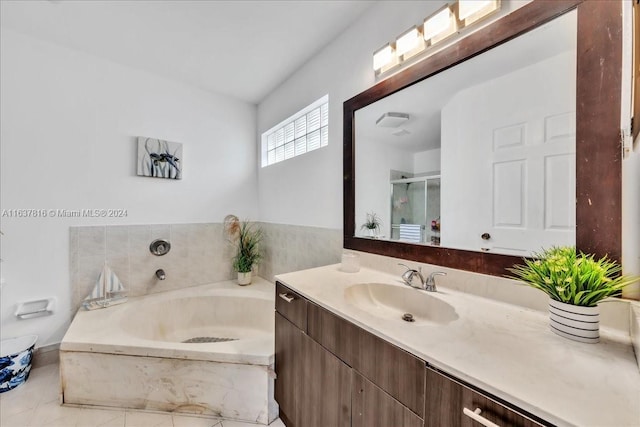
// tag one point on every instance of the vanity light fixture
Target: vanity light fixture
(471, 11)
(446, 22)
(440, 25)
(384, 58)
(409, 43)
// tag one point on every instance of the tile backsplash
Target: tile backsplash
(290, 248)
(199, 254)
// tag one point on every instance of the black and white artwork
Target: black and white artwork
(159, 159)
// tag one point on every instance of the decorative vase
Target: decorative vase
(244, 278)
(575, 322)
(15, 360)
(372, 233)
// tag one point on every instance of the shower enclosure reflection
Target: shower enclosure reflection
(415, 208)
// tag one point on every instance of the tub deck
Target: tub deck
(115, 330)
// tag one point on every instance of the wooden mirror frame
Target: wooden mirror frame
(598, 150)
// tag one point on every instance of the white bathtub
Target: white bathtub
(133, 355)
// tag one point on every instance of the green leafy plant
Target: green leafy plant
(247, 237)
(372, 222)
(571, 277)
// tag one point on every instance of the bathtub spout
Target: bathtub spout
(160, 274)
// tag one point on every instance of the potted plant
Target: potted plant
(575, 283)
(247, 237)
(372, 224)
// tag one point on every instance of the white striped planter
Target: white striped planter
(575, 322)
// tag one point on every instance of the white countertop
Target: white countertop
(504, 349)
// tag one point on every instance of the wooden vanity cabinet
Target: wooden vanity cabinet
(446, 400)
(397, 372)
(313, 386)
(331, 372)
(325, 364)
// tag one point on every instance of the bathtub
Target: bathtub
(149, 353)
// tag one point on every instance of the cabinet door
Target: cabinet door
(288, 346)
(372, 407)
(446, 401)
(324, 393)
(392, 369)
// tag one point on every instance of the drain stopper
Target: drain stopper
(408, 317)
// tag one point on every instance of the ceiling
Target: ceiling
(244, 49)
(424, 101)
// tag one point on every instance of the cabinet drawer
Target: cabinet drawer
(292, 306)
(392, 369)
(334, 333)
(447, 399)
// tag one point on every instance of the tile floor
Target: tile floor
(36, 404)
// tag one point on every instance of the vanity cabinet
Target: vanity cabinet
(325, 364)
(331, 372)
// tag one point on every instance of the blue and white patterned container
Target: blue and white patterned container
(15, 361)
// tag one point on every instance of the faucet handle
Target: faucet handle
(436, 273)
(430, 284)
(405, 266)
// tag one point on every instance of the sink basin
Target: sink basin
(392, 302)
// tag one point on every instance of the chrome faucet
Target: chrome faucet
(409, 275)
(160, 274)
(428, 285)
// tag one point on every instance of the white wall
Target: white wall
(427, 162)
(307, 190)
(69, 126)
(631, 218)
(373, 189)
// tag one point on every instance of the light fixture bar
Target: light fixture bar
(384, 58)
(409, 42)
(452, 18)
(471, 11)
(439, 26)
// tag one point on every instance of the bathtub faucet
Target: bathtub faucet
(160, 274)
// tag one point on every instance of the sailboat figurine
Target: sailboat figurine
(108, 291)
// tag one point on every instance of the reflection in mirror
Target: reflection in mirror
(480, 156)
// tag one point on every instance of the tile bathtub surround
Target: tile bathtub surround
(292, 247)
(37, 403)
(199, 254)
(614, 313)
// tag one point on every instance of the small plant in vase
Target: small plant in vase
(372, 224)
(575, 283)
(247, 238)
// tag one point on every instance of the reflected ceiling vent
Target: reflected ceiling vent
(401, 132)
(392, 120)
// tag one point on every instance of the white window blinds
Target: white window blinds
(305, 131)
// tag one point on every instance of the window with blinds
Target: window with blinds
(305, 131)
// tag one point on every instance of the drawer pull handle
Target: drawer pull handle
(286, 297)
(475, 415)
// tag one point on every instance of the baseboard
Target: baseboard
(46, 355)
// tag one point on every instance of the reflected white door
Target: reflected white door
(532, 191)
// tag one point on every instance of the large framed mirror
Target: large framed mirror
(500, 144)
